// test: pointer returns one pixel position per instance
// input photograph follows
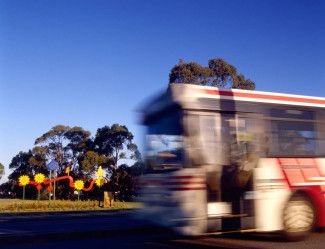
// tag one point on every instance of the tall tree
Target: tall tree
(63, 144)
(38, 156)
(243, 83)
(91, 160)
(113, 142)
(53, 141)
(79, 142)
(21, 165)
(122, 182)
(189, 73)
(219, 73)
(222, 74)
(2, 170)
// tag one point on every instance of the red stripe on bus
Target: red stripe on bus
(305, 170)
(185, 189)
(264, 96)
(307, 161)
(288, 161)
(184, 177)
(183, 183)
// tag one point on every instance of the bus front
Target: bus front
(173, 191)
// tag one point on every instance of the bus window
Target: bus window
(292, 133)
(207, 140)
(320, 149)
(164, 142)
(246, 135)
(210, 139)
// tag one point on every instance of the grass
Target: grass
(15, 205)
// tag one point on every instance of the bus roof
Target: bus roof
(188, 96)
(252, 95)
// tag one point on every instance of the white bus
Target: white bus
(234, 160)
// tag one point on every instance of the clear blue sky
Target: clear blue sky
(90, 63)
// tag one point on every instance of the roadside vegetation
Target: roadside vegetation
(79, 155)
(17, 206)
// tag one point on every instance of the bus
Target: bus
(234, 160)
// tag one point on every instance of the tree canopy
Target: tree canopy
(218, 73)
(63, 144)
(74, 147)
(2, 170)
(111, 142)
(91, 160)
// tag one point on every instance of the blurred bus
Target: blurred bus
(234, 160)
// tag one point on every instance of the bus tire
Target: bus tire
(299, 218)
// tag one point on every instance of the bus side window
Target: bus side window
(292, 133)
(210, 139)
(320, 149)
(247, 137)
(192, 142)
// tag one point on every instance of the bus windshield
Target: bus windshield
(164, 142)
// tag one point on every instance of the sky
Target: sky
(91, 63)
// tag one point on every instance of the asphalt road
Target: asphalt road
(123, 230)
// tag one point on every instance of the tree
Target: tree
(222, 74)
(219, 73)
(123, 183)
(112, 142)
(189, 73)
(2, 170)
(63, 144)
(243, 83)
(91, 161)
(38, 156)
(53, 143)
(79, 141)
(74, 146)
(20, 164)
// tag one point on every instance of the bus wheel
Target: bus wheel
(299, 218)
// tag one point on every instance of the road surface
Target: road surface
(123, 230)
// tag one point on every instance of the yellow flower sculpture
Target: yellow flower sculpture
(100, 182)
(79, 185)
(23, 180)
(100, 172)
(39, 178)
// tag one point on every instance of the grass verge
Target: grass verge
(15, 205)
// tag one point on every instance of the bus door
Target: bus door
(207, 150)
(244, 135)
(213, 153)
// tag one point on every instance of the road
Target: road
(123, 230)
